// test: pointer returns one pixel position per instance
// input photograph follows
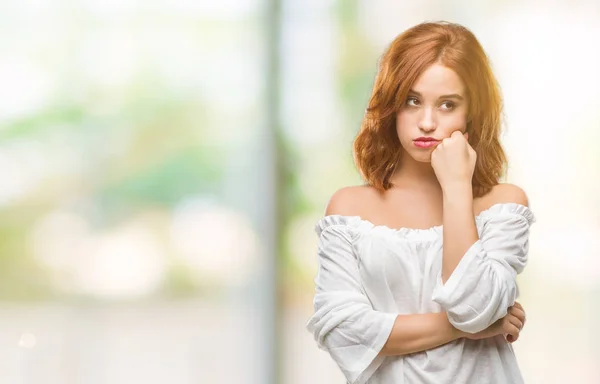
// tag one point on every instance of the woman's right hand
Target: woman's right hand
(510, 325)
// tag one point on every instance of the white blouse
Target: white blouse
(368, 274)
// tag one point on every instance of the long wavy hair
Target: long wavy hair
(377, 149)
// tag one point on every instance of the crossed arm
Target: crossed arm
(417, 333)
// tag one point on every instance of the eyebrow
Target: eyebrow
(451, 96)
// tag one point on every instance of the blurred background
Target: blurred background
(163, 164)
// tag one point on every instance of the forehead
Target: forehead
(438, 80)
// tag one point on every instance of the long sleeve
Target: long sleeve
(483, 285)
(344, 322)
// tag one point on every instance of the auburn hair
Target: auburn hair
(377, 148)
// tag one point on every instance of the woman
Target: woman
(417, 268)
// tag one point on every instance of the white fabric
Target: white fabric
(370, 274)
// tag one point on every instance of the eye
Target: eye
(412, 101)
(448, 105)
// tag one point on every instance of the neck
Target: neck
(411, 172)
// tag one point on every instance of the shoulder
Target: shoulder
(508, 205)
(505, 193)
(343, 205)
(509, 193)
(351, 201)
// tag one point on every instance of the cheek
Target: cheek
(404, 121)
(453, 122)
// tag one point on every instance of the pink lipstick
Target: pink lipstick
(426, 142)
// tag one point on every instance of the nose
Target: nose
(427, 121)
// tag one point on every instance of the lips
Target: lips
(426, 139)
(425, 142)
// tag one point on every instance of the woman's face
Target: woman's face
(435, 107)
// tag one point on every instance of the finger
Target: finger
(467, 136)
(456, 134)
(516, 322)
(517, 312)
(511, 329)
(518, 305)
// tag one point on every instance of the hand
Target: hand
(453, 160)
(510, 326)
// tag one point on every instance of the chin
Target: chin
(421, 157)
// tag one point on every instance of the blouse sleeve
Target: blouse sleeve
(483, 285)
(344, 322)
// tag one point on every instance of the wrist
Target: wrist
(458, 189)
(453, 332)
(458, 334)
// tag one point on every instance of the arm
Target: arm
(453, 161)
(344, 323)
(416, 333)
(460, 232)
(477, 281)
(482, 283)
